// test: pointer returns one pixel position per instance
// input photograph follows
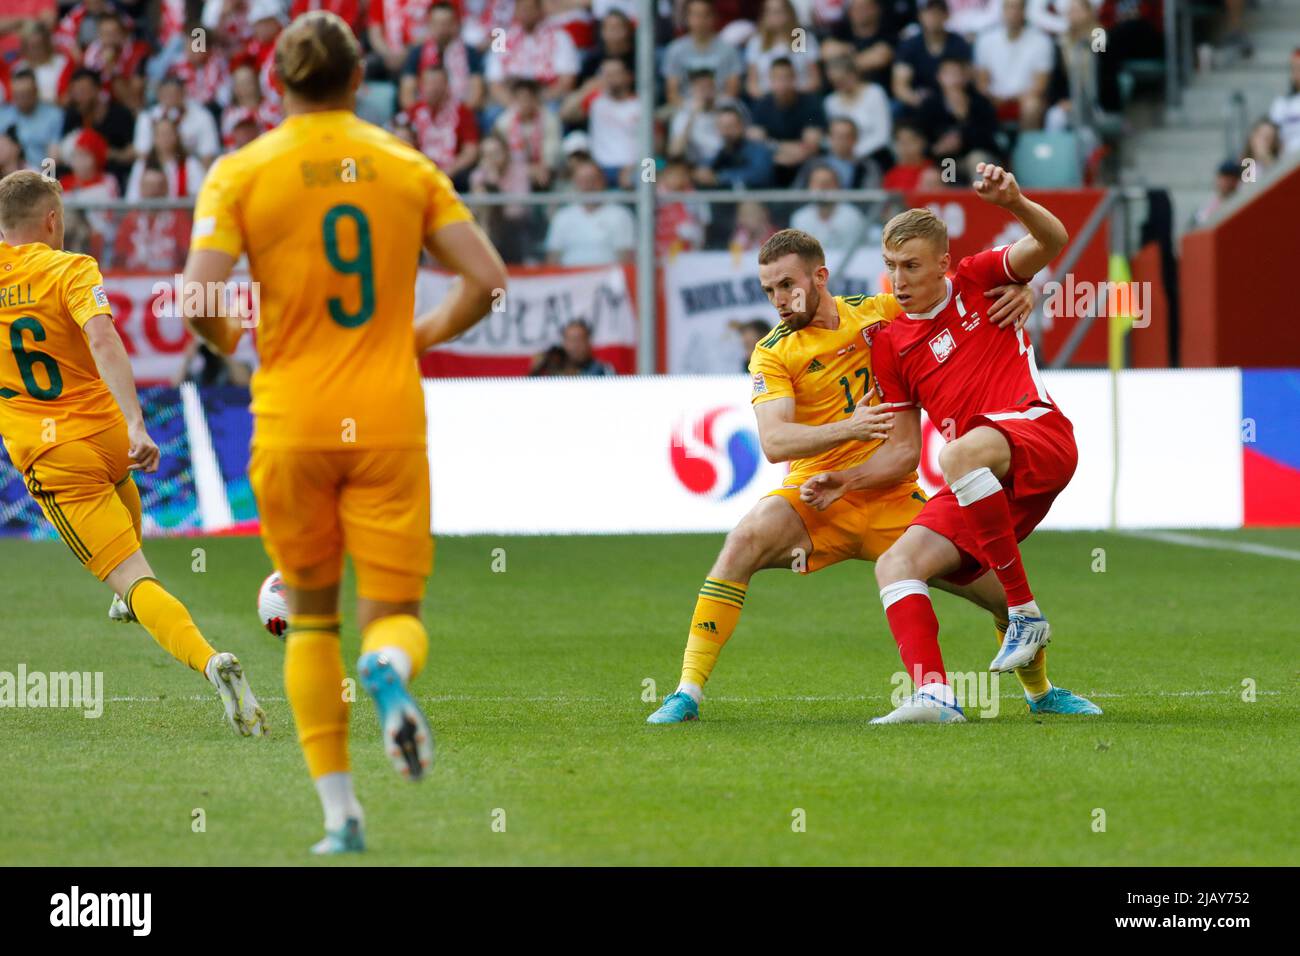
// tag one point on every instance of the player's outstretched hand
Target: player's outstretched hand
(996, 185)
(1014, 305)
(870, 422)
(142, 451)
(822, 490)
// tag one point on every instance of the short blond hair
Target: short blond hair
(916, 224)
(24, 195)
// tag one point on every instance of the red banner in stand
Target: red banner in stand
(526, 319)
(530, 317)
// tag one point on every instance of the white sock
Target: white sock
(939, 692)
(400, 660)
(892, 593)
(975, 485)
(694, 691)
(1026, 610)
(338, 799)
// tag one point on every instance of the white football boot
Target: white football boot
(118, 612)
(242, 710)
(931, 704)
(1025, 635)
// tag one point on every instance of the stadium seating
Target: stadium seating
(1045, 160)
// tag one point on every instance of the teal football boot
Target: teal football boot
(678, 707)
(347, 839)
(408, 740)
(1058, 700)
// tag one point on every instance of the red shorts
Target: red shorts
(1043, 459)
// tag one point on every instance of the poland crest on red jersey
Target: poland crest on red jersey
(942, 345)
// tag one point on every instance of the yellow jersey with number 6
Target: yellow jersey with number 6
(50, 388)
(332, 212)
(826, 372)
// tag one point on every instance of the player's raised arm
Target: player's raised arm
(784, 439)
(891, 464)
(1047, 235)
(480, 277)
(115, 369)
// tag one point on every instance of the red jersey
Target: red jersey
(205, 79)
(349, 10)
(443, 131)
(952, 361)
(402, 22)
(151, 241)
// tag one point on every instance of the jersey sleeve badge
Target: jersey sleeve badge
(760, 384)
(100, 296)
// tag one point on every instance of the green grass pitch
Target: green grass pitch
(535, 685)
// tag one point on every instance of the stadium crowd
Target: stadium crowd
(136, 99)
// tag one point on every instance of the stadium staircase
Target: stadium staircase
(1180, 147)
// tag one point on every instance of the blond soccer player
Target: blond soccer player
(72, 424)
(332, 212)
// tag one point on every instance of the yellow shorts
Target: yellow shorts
(372, 503)
(76, 485)
(862, 524)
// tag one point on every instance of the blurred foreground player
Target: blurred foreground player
(332, 212)
(73, 426)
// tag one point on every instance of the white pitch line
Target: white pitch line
(1216, 544)
(832, 698)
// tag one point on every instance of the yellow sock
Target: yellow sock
(402, 631)
(1033, 676)
(168, 623)
(716, 614)
(313, 678)
(129, 495)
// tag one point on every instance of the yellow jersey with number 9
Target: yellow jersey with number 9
(50, 388)
(332, 212)
(827, 372)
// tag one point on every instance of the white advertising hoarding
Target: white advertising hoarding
(585, 455)
(625, 455)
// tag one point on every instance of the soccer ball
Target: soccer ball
(272, 607)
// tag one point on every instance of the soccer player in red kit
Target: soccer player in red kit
(1010, 452)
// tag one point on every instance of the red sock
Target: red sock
(916, 631)
(989, 520)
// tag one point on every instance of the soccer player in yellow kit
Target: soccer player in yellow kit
(72, 424)
(332, 213)
(815, 400)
